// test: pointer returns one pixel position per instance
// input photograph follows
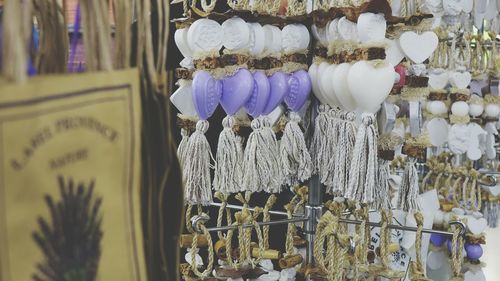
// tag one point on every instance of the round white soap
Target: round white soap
(492, 110)
(475, 109)
(436, 107)
(460, 108)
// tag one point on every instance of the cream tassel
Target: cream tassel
(383, 192)
(319, 140)
(196, 168)
(295, 158)
(343, 156)
(229, 170)
(362, 175)
(408, 192)
(261, 160)
(331, 147)
(182, 148)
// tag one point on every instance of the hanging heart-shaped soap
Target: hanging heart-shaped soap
(319, 34)
(207, 92)
(205, 35)
(476, 226)
(279, 89)
(313, 73)
(418, 47)
(341, 88)
(460, 80)
(393, 52)
(236, 90)
(299, 85)
(347, 30)
(438, 80)
(371, 27)
(257, 39)
(180, 38)
(332, 31)
(327, 86)
(452, 7)
(370, 82)
(321, 70)
(438, 131)
(273, 38)
(294, 37)
(260, 95)
(236, 33)
(435, 260)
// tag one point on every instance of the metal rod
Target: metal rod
(410, 228)
(284, 221)
(236, 207)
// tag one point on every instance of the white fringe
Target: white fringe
(318, 141)
(295, 158)
(197, 167)
(343, 155)
(362, 175)
(229, 168)
(182, 148)
(383, 193)
(408, 192)
(261, 159)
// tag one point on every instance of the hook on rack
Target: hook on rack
(463, 227)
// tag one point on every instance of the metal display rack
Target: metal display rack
(313, 211)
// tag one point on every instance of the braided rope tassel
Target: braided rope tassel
(267, 217)
(343, 157)
(383, 194)
(182, 148)
(319, 141)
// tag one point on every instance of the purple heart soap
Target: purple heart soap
(279, 89)
(207, 92)
(299, 85)
(236, 90)
(260, 95)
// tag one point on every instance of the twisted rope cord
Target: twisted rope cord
(267, 217)
(189, 227)
(417, 272)
(322, 231)
(290, 230)
(223, 198)
(464, 190)
(457, 246)
(195, 250)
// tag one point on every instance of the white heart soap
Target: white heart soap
(393, 52)
(341, 88)
(418, 47)
(460, 80)
(348, 30)
(313, 73)
(321, 69)
(180, 38)
(205, 35)
(438, 131)
(294, 37)
(257, 39)
(476, 226)
(370, 82)
(332, 31)
(236, 33)
(439, 80)
(371, 27)
(320, 35)
(327, 85)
